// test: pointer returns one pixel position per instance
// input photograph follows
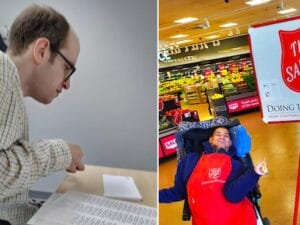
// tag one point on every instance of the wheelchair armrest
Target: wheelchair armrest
(186, 212)
(256, 192)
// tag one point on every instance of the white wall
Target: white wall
(110, 109)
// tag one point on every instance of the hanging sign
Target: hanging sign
(275, 49)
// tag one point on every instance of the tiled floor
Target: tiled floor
(279, 144)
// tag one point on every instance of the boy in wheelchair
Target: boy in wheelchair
(214, 181)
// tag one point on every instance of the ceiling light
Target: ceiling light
(257, 2)
(228, 25)
(235, 49)
(179, 36)
(212, 37)
(182, 42)
(186, 20)
(286, 11)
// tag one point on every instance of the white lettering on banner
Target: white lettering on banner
(293, 71)
(234, 106)
(171, 144)
(295, 46)
(212, 181)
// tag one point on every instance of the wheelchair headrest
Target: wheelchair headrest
(207, 124)
(240, 139)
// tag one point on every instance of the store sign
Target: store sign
(242, 104)
(164, 56)
(275, 49)
(290, 58)
(169, 145)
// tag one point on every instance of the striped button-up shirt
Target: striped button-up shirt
(21, 162)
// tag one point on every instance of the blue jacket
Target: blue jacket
(239, 184)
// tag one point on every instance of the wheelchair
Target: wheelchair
(190, 137)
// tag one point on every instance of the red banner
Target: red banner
(290, 58)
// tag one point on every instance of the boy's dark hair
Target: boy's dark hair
(34, 22)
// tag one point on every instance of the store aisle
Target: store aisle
(278, 143)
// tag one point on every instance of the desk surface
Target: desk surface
(90, 181)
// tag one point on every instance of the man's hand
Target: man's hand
(76, 163)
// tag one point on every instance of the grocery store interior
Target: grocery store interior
(206, 70)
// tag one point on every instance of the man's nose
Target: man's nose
(66, 84)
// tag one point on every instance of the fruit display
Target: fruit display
(217, 96)
(236, 78)
(179, 115)
(171, 113)
(165, 122)
(168, 102)
(249, 79)
(175, 86)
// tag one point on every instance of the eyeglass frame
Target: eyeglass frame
(68, 62)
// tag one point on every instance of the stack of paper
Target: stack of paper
(120, 187)
(76, 208)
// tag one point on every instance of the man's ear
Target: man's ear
(41, 50)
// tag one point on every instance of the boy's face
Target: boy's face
(220, 139)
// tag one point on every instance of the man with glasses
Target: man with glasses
(40, 59)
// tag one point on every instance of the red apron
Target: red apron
(205, 194)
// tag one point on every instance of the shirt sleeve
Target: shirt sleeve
(240, 182)
(184, 170)
(22, 163)
(178, 191)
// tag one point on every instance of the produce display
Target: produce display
(228, 82)
(217, 96)
(165, 122)
(171, 113)
(174, 86)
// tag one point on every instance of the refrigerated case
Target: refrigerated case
(167, 143)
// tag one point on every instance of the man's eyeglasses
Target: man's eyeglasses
(72, 68)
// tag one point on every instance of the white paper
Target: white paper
(75, 208)
(120, 187)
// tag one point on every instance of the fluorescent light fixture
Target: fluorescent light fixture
(228, 25)
(212, 37)
(186, 20)
(182, 42)
(257, 2)
(286, 11)
(179, 36)
(235, 49)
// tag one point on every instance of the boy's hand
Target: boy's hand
(261, 168)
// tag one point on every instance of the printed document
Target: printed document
(120, 187)
(76, 208)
